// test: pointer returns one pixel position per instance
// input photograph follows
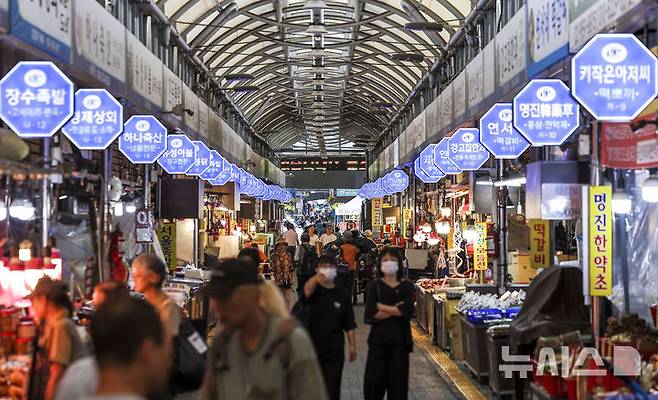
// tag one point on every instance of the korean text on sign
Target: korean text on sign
(540, 243)
(480, 257)
(600, 240)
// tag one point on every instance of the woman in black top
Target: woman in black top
(389, 306)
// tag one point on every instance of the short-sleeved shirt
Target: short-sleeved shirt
(350, 252)
(392, 330)
(259, 375)
(62, 341)
(170, 315)
(325, 239)
(331, 314)
(313, 240)
(80, 380)
(290, 237)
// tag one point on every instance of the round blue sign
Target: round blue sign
(225, 175)
(422, 176)
(215, 167)
(441, 158)
(97, 120)
(36, 99)
(545, 113)
(202, 162)
(466, 151)
(614, 76)
(180, 155)
(144, 139)
(498, 135)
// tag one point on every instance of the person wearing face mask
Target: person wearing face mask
(330, 314)
(389, 307)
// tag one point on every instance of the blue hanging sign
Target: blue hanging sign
(251, 185)
(144, 139)
(466, 151)
(427, 164)
(421, 175)
(545, 113)
(225, 175)
(614, 76)
(261, 189)
(498, 135)
(97, 120)
(242, 179)
(36, 99)
(202, 162)
(441, 159)
(215, 167)
(180, 155)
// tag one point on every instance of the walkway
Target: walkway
(425, 383)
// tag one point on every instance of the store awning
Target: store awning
(352, 207)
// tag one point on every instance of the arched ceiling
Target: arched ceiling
(324, 70)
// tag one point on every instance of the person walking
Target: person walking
(132, 351)
(327, 237)
(330, 319)
(349, 252)
(291, 238)
(305, 261)
(389, 307)
(59, 344)
(313, 237)
(282, 269)
(255, 355)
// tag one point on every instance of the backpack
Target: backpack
(189, 358)
(308, 261)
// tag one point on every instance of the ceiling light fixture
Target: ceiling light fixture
(424, 26)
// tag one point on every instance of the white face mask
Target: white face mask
(329, 273)
(390, 267)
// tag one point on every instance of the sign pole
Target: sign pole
(45, 195)
(147, 196)
(502, 228)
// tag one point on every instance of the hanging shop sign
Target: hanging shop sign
(145, 76)
(225, 175)
(545, 113)
(167, 239)
(243, 182)
(46, 25)
(422, 176)
(548, 33)
(480, 257)
(466, 151)
(511, 53)
(614, 77)
(377, 214)
(202, 162)
(397, 181)
(540, 243)
(441, 158)
(180, 155)
(215, 167)
(498, 135)
(600, 240)
(144, 139)
(99, 45)
(589, 17)
(426, 163)
(36, 99)
(561, 201)
(144, 226)
(97, 120)
(630, 145)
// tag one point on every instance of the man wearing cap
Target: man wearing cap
(255, 355)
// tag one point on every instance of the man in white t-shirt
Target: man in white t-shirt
(326, 238)
(292, 239)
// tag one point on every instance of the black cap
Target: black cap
(230, 274)
(44, 287)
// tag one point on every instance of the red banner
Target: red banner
(630, 145)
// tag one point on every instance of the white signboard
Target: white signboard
(402, 145)
(203, 120)
(589, 17)
(447, 107)
(47, 25)
(396, 152)
(386, 157)
(145, 74)
(548, 33)
(489, 68)
(100, 45)
(173, 90)
(475, 81)
(459, 96)
(225, 138)
(409, 138)
(431, 119)
(510, 52)
(419, 130)
(191, 103)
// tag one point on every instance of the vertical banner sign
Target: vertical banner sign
(498, 135)
(480, 258)
(167, 239)
(180, 155)
(427, 164)
(545, 113)
(466, 151)
(377, 215)
(36, 99)
(540, 243)
(144, 226)
(46, 25)
(614, 77)
(600, 240)
(441, 158)
(144, 139)
(97, 120)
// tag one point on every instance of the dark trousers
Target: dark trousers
(301, 281)
(387, 372)
(332, 371)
